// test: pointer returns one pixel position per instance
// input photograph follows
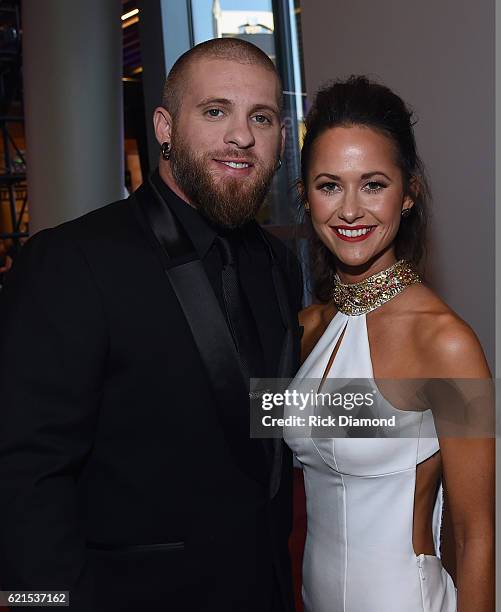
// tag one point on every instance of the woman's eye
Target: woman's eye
(374, 186)
(214, 112)
(329, 187)
(261, 119)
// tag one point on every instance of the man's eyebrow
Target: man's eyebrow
(226, 102)
(221, 101)
(273, 109)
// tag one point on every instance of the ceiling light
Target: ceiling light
(130, 14)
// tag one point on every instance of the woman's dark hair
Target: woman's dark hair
(360, 101)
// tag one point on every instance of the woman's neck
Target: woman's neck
(355, 274)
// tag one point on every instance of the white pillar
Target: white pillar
(72, 70)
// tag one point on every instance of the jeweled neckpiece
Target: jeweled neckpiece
(367, 295)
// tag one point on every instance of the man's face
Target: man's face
(226, 138)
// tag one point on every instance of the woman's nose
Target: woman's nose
(350, 208)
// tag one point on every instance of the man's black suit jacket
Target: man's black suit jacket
(126, 471)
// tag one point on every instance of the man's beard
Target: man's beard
(227, 201)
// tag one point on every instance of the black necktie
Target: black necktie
(238, 314)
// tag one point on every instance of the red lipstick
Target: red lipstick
(345, 232)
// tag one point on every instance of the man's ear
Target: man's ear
(282, 137)
(301, 190)
(162, 124)
(302, 195)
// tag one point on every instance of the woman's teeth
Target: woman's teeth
(353, 233)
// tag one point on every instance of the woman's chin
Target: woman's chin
(353, 261)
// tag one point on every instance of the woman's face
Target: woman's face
(355, 193)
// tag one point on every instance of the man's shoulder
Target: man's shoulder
(97, 232)
(290, 265)
(107, 219)
(105, 225)
(282, 251)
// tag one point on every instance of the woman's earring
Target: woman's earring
(165, 148)
(406, 212)
(279, 164)
(307, 209)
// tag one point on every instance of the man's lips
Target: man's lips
(353, 233)
(236, 165)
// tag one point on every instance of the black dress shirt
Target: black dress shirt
(253, 267)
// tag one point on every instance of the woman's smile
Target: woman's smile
(355, 233)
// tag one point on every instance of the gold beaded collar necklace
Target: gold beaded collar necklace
(367, 295)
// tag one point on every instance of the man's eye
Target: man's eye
(374, 186)
(214, 112)
(261, 119)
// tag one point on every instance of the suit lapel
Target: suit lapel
(289, 356)
(289, 353)
(187, 277)
(260, 293)
(286, 365)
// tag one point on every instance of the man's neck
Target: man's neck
(166, 176)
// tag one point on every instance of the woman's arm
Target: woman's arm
(468, 468)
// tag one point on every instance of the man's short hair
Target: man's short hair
(231, 49)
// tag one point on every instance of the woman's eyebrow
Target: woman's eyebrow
(364, 176)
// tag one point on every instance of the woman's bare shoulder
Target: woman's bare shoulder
(448, 345)
(316, 314)
(314, 319)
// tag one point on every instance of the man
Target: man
(5, 260)
(127, 474)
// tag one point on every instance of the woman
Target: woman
(374, 506)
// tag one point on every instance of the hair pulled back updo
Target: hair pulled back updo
(359, 101)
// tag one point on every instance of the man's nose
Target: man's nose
(239, 133)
